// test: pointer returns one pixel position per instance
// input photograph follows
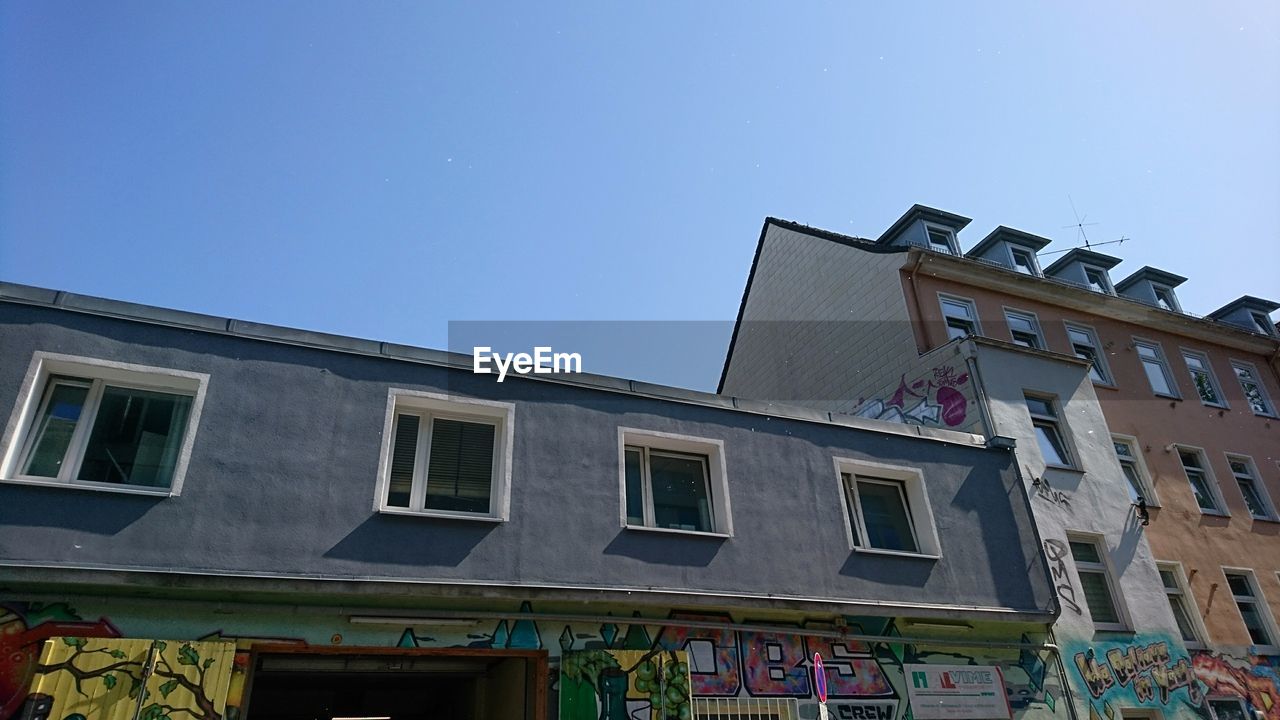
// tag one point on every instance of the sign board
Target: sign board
(951, 692)
(820, 677)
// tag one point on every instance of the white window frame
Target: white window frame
(17, 434)
(1029, 317)
(1209, 478)
(1144, 475)
(1099, 543)
(1059, 426)
(717, 477)
(1013, 259)
(1255, 478)
(1163, 361)
(1263, 323)
(1203, 357)
(950, 234)
(1174, 305)
(1259, 601)
(1188, 601)
(453, 407)
(920, 512)
(944, 298)
(1107, 287)
(1100, 359)
(1236, 366)
(1239, 701)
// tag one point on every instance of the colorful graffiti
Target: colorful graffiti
(23, 629)
(938, 397)
(1057, 552)
(1256, 679)
(621, 684)
(1147, 673)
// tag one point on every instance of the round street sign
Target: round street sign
(819, 677)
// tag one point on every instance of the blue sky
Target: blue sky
(381, 169)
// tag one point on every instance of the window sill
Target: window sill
(1105, 385)
(1215, 513)
(1162, 396)
(673, 531)
(1266, 415)
(1275, 520)
(897, 553)
(96, 487)
(1215, 406)
(440, 514)
(1064, 468)
(1114, 629)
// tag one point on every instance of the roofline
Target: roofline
(1251, 302)
(1019, 237)
(1146, 272)
(17, 294)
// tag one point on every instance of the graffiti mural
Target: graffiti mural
(625, 684)
(623, 666)
(1150, 672)
(940, 396)
(1256, 679)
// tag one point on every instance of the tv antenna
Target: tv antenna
(1081, 235)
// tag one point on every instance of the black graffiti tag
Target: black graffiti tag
(1056, 550)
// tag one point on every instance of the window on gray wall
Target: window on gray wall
(668, 489)
(1024, 261)
(1048, 431)
(1095, 581)
(942, 240)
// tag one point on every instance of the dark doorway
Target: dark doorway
(392, 687)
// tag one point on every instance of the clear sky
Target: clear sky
(380, 169)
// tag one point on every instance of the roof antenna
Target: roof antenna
(1080, 225)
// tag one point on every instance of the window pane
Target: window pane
(1156, 376)
(1252, 499)
(1022, 263)
(1253, 623)
(1040, 406)
(1200, 487)
(1084, 552)
(847, 482)
(1239, 585)
(1178, 604)
(460, 467)
(1204, 387)
(1098, 597)
(679, 490)
(939, 240)
(1135, 483)
(1252, 392)
(403, 452)
(1051, 445)
(135, 438)
(635, 486)
(1097, 281)
(884, 514)
(54, 430)
(1169, 580)
(1228, 710)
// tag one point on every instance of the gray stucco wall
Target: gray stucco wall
(282, 481)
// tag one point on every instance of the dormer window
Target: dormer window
(1248, 313)
(1098, 281)
(1024, 261)
(1263, 321)
(1165, 298)
(941, 240)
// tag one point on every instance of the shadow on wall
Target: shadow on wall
(900, 571)
(100, 513)
(423, 541)
(1003, 532)
(664, 549)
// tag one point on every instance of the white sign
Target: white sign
(952, 692)
(543, 361)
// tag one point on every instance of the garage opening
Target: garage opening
(474, 686)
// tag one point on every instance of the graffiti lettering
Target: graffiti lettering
(1256, 678)
(850, 669)
(773, 664)
(713, 657)
(1056, 551)
(867, 711)
(1045, 491)
(934, 398)
(1149, 671)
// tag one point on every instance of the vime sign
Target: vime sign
(543, 361)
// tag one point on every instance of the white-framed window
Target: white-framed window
(1251, 488)
(1024, 329)
(1252, 606)
(1137, 480)
(1085, 345)
(1181, 603)
(1048, 431)
(1202, 377)
(941, 239)
(445, 456)
(1098, 280)
(1254, 393)
(92, 423)
(1165, 299)
(1228, 708)
(1024, 261)
(886, 508)
(960, 315)
(1095, 581)
(1156, 368)
(675, 483)
(1263, 322)
(1200, 477)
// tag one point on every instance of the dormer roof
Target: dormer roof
(1086, 257)
(1035, 243)
(1155, 275)
(1247, 302)
(922, 212)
